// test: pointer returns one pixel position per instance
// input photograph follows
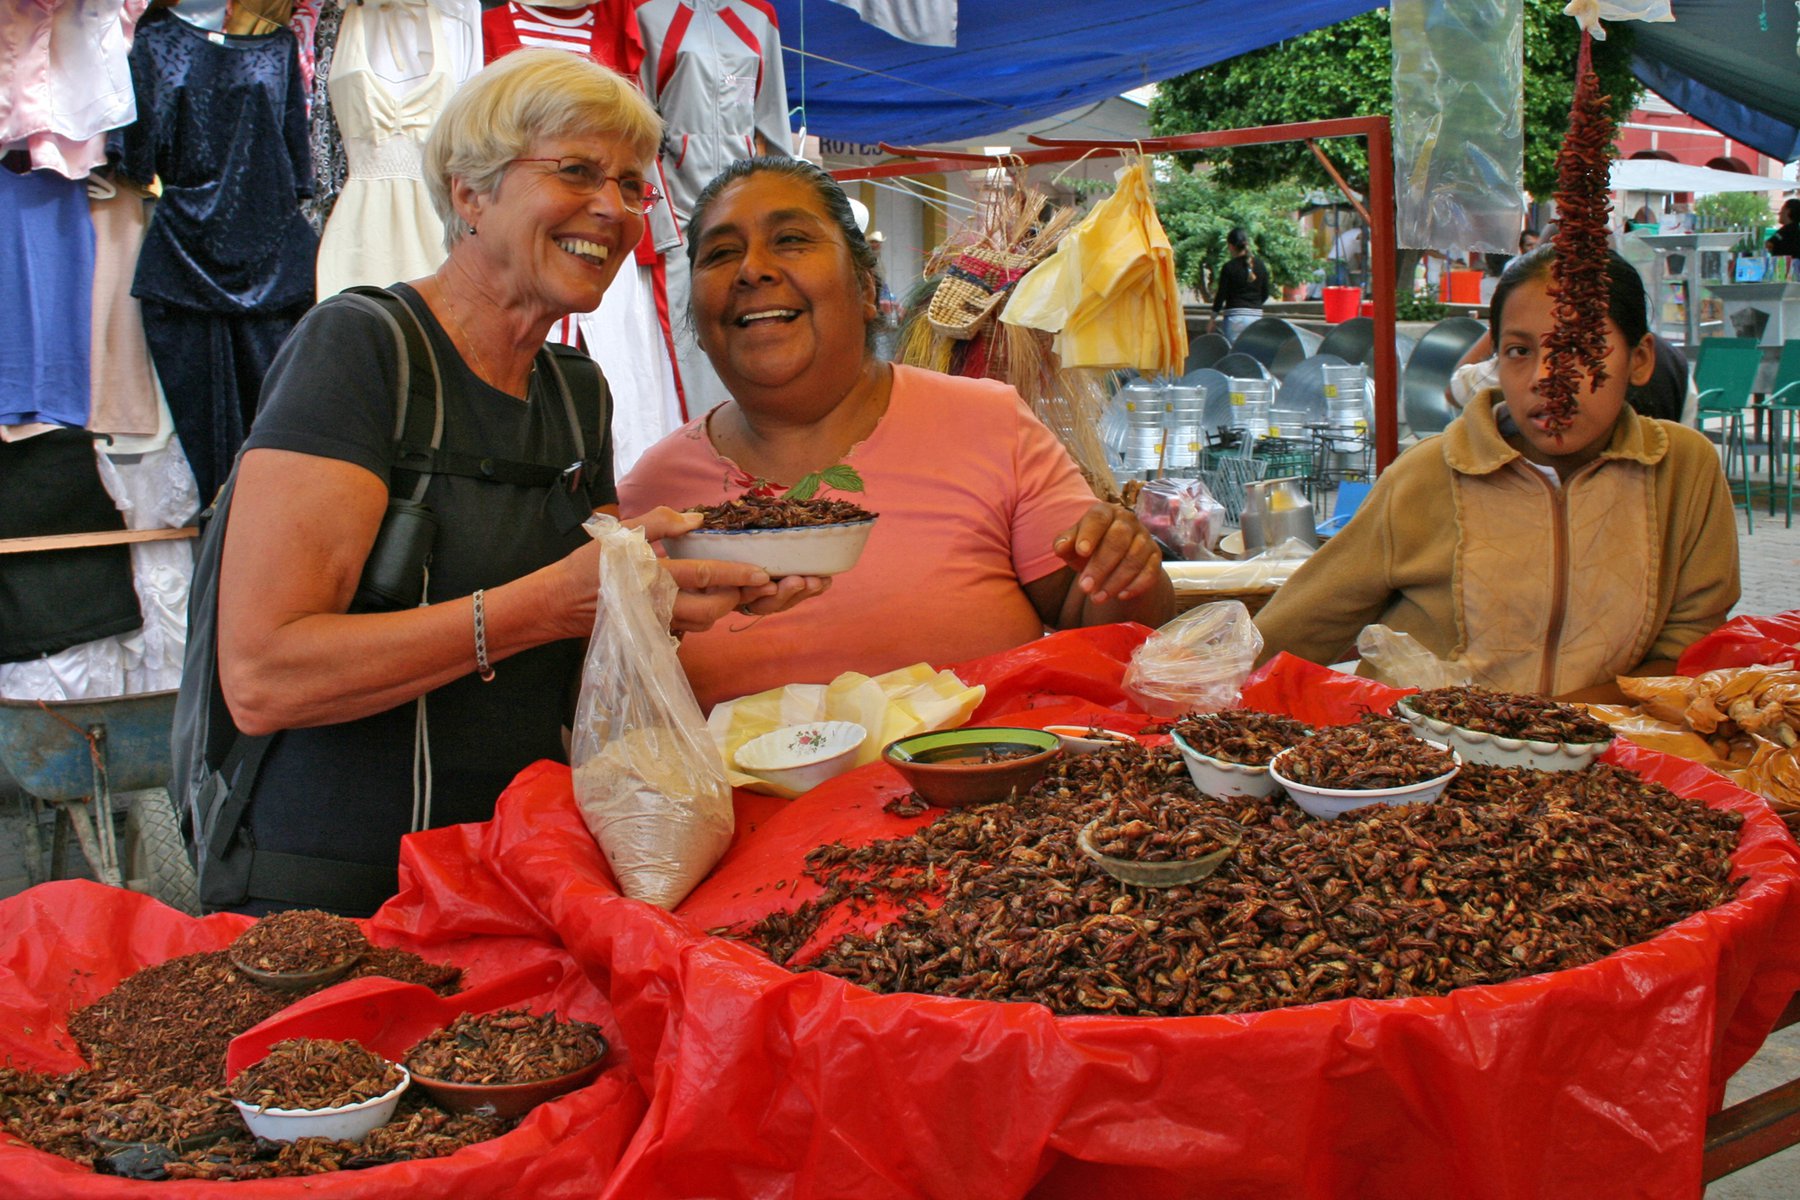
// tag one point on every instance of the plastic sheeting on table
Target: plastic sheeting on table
(64, 945)
(1592, 1081)
(1745, 642)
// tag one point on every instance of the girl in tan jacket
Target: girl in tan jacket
(1541, 559)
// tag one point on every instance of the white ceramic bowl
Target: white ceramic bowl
(346, 1123)
(1332, 803)
(814, 550)
(1495, 751)
(798, 758)
(1080, 739)
(1217, 777)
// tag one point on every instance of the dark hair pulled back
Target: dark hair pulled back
(831, 198)
(1625, 300)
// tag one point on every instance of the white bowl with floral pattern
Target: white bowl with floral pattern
(798, 758)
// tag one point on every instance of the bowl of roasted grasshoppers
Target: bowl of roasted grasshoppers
(1228, 753)
(1506, 729)
(314, 1087)
(784, 535)
(1376, 761)
(505, 1063)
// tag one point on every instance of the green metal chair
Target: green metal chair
(1783, 402)
(1725, 373)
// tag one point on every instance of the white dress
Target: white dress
(391, 75)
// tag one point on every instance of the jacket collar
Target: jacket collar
(1473, 444)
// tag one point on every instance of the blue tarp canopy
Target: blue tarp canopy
(1017, 61)
(1716, 63)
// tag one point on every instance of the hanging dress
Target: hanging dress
(383, 228)
(713, 68)
(227, 266)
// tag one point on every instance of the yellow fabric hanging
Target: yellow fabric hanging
(1109, 292)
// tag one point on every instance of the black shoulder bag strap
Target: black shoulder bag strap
(231, 870)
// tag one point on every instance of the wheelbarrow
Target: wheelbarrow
(76, 755)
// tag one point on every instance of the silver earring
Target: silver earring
(472, 230)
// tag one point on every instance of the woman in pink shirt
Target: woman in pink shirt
(987, 534)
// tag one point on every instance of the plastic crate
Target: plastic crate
(1225, 473)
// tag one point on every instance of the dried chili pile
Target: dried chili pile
(1166, 827)
(510, 1046)
(1377, 752)
(1514, 872)
(1242, 736)
(303, 939)
(314, 1073)
(780, 512)
(1510, 714)
(1577, 345)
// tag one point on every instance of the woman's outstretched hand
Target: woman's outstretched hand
(1116, 557)
(710, 589)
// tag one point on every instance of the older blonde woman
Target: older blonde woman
(391, 721)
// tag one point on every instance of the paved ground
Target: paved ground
(1770, 558)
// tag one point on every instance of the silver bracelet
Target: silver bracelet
(482, 667)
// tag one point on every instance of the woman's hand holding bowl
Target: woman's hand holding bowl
(709, 589)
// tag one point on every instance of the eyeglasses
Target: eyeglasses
(585, 178)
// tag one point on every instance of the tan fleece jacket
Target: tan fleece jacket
(1536, 588)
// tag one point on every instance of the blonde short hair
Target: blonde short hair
(512, 103)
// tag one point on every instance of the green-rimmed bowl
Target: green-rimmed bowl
(954, 768)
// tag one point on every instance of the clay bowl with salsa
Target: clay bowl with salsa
(954, 768)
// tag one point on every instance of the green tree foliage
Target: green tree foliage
(1749, 211)
(1197, 213)
(1346, 70)
(1732, 210)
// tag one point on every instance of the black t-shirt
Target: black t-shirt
(1786, 241)
(346, 791)
(1240, 286)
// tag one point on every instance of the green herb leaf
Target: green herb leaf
(843, 477)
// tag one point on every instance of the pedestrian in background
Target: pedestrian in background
(1243, 286)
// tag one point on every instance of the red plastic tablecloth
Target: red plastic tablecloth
(1593, 1081)
(1745, 642)
(64, 945)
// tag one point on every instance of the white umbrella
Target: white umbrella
(1660, 175)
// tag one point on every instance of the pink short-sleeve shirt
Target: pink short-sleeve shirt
(971, 490)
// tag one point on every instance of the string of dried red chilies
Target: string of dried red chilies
(1583, 244)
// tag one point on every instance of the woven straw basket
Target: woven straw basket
(972, 289)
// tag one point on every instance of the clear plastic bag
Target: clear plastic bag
(648, 779)
(1399, 660)
(1459, 141)
(1183, 517)
(1196, 663)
